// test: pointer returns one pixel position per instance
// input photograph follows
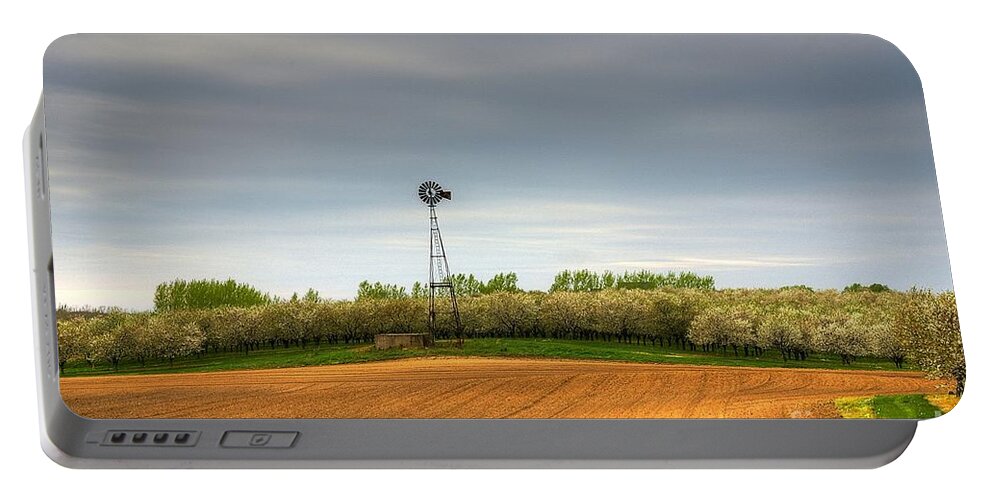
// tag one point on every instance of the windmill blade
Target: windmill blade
(431, 193)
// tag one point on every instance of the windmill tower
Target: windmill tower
(440, 286)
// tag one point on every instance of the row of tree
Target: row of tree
(580, 280)
(465, 285)
(918, 325)
(209, 294)
(585, 280)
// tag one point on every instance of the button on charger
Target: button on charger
(259, 439)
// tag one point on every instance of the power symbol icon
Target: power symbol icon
(259, 439)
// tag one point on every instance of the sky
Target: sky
(292, 162)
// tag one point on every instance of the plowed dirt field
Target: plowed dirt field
(486, 388)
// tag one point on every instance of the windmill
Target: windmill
(439, 277)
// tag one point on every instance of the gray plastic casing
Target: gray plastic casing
(78, 442)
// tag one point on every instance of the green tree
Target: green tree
(874, 288)
(723, 327)
(502, 282)
(174, 338)
(928, 324)
(115, 337)
(512, 314)
(75, 340)
(379, 290)
(621, 315)
(788, 329)
(566, 315)
(584, 280)
(206, 294)
(466, 285)
(672, 314)
(847, 335)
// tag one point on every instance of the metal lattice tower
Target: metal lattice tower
(439, 276)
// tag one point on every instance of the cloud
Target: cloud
(708, 264)
(292, 161)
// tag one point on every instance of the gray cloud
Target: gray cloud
(291, 161)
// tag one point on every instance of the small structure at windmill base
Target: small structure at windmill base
(441, 292)
(404, 340)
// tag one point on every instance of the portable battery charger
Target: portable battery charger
(659, 251)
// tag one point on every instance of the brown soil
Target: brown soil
(486, 388)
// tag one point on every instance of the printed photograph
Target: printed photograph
(497, 226)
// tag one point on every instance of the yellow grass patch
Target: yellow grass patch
(855, 407)
(943, 402)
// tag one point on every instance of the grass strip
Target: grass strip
(325, 354)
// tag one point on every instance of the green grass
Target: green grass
(521, 348)
(904, 406)
(913, 406)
